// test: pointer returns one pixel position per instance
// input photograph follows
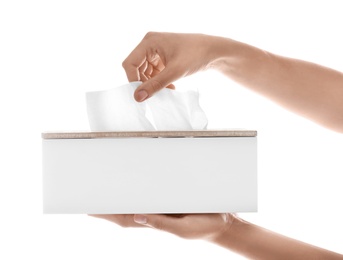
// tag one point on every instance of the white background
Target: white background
(51, 52)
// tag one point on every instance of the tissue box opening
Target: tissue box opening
(134, 172)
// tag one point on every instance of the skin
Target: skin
(308, 89)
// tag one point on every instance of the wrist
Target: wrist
(236, 59)
(233, 235)
(224, 232)
(227, 54)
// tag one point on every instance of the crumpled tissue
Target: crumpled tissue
(168, 110)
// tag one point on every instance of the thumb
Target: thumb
(148, 88)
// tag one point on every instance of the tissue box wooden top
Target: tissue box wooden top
(126, 134)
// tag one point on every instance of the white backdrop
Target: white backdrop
(51, 52)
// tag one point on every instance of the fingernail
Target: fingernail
(140, 219)
(141, 95)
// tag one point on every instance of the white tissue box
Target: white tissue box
(150, 172)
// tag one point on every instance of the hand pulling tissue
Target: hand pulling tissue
(168, 110)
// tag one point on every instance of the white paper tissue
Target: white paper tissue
(168, 110)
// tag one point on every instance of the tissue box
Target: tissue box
(150, 172)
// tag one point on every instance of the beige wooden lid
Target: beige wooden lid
(138, 134)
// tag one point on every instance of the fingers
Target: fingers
(123, 220)
(137, 68)
(189, 226)
(133, 63)
(150, 63)
(175, 225)
(156, 83)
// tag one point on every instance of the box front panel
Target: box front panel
(150, 175)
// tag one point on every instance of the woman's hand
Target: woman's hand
(190, 226)
(162, 58)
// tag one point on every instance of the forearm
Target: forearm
(308, 89)
(255, 242)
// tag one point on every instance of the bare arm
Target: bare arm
(228, 231)
(258, 243)
(308, 89)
